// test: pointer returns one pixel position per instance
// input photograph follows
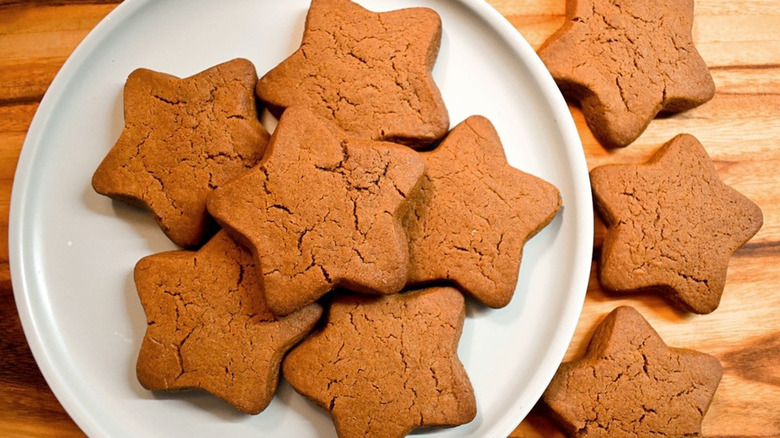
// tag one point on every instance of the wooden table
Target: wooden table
(740, 127)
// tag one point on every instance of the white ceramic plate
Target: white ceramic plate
(73, 251)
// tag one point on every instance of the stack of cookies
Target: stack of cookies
(341, 251)
(362, 206)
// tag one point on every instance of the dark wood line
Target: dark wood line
(21, 100)
(42, 3)
(752, 249)
(743, 436)
(741, 66)
(756, 94)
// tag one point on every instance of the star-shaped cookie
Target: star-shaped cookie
(672, 224)
(473, 214)
(208, 327)
(630, 384)
(370, 72)
(322, 211)
(383, 366)
(182, 138)
(626, 61)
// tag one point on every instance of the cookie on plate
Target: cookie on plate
(182, 138)
(322, 211)
(383, 366)
(208, 326)
(626, 61)
(370, 72)
(630, 384)
(672, 225)
(473, 214)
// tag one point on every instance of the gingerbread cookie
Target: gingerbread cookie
(473, 214)
(383, 366)
(182, 138)
(208, 327)
(630, 384)
(672, 225)
(322, 211)
(626, 61)
(369, 72)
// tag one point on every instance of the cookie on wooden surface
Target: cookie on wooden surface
(208, 326)
(370, 72)
(182, 138)
(383, 366)
(626, 61)
(630, 384)
(672, 225)
(473, 214)
(322, 211)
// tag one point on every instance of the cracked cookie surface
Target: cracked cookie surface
(370, 72)
(181, 139)
(322, 211)
(208, 326)
(473, 214)
(630, 384)
(383, 366)
(672, 225)
(625, 61)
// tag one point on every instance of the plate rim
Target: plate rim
(24, 179)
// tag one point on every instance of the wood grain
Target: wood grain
(740, 127)
(35, 40)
